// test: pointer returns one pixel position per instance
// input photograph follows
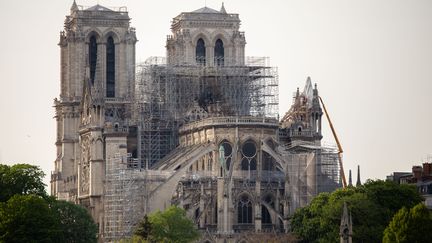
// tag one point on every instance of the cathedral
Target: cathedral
(199, 128)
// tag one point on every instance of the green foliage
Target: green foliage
(371, 205)
(144, 228)
(391, 196)
(410, 226)
(75, 222)
(134, 239)
(22, 179)
(28, 218)
(27, 214)
(171, 225)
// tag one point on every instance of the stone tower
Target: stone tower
(206, 36)
(97, 55)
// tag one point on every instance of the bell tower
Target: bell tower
(97, 80)
(206, 37)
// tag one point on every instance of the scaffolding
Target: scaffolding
(127, 189)
(169, 96)
(310, 171)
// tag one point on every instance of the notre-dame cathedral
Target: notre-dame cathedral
(199, 128)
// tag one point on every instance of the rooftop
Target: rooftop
(98, 7)
(205, 10)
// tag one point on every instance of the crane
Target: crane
(342, 173)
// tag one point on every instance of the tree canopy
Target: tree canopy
(21, 179)
(27, 214)
(410, 226)
(171, 225)
(28, 218)
(76, 222)
(372, 206)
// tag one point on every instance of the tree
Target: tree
(144, 228)
(27, 214)
(75, 222)
(372, 206)
(22, 179)
(171, 225)
(28, 218)
(410, 226)
(134, 239)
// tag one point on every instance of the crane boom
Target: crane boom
(342, 173)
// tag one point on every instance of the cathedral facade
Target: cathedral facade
(198, 128)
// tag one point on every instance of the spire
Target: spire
(315, 90)
(74, 7)
(345, 230)
(222, 10)
(350, 179)
(358, 176)
(345, 218)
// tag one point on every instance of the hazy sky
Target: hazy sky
(371, 59)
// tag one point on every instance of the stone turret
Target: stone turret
(346, 231)
(358, 176)
(350, 179)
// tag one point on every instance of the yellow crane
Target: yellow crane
(342, 173)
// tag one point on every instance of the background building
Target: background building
(421, 176)
(198, 128)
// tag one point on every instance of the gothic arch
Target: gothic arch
(219, 53)
(225, 140)
(223, 59)
(93, 32)
(92, 41)
(223, 35)
(203, 34)
(249, 152)
(245, 208)
(201, 52)
(229, 151)
(111, 33)
(111, 59)
(249, 138)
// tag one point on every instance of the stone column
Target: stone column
(258, 216)
(202, 208)
(210, 55)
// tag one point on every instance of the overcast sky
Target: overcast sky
(371, 59)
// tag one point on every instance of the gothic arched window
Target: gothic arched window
(200, 52)
(219, 53)
(92, 57)
(244, 210)
(110, 67)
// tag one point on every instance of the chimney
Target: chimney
(417, 172)
(427, 169)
